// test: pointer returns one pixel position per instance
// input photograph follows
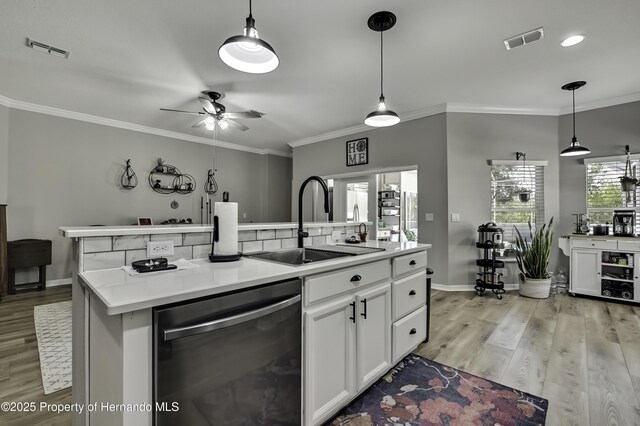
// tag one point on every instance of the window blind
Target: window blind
(507, 211)
(604, 193)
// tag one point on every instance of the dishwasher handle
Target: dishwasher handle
(205, 327)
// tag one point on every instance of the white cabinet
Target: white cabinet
(605, 268)
(585, 271)
(329, 351)
(347, 347)
(373, 336)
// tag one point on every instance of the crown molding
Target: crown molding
(497, 109)
(414, 115)
(73, 115)
(603, 103)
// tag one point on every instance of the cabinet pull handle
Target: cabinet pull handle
(413, 331)
(413, 262)
(355, 278)
(353, 312)
(412, 293)
(364, 313)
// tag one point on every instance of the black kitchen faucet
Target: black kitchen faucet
(301, 233)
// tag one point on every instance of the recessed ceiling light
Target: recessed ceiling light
(572, 41)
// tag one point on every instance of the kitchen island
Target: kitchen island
(113, 322)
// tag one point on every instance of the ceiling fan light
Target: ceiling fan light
(209, 126)
(247, 53)
(223, 123)
(384, 118)
(210, 121)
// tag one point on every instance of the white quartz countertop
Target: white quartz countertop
(602, 237)
(107, 231)
(121, 292)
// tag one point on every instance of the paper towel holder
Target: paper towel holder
(215, 238)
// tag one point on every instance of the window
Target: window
(509, 179)
(604, 194)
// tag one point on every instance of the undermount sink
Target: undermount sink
(298, 256)
(302, 256)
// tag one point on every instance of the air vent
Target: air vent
(45, 48)
(524, 38)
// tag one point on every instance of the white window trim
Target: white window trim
(518, 162)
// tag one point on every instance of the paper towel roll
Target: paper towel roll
(227, 228)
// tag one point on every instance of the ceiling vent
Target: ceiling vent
(524, 38)
(45, 48)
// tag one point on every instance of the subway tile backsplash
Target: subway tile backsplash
(112, 252)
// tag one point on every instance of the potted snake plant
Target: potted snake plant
(533, 261)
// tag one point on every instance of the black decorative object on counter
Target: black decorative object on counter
(167, 179)
(128, 180)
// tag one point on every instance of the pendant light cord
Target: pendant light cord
(250, 14)
(381, 64)
(574, 113)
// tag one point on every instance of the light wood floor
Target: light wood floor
(582, 354)
(20, 378)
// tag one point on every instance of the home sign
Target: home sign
(358, 152)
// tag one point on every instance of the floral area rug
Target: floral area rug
(419, 391)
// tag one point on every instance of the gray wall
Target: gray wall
(472, 139)
(605, 131)
(422, 142)
(277, 188)
(4, 153)
(65, 172)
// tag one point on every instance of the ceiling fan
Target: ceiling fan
(214, 113)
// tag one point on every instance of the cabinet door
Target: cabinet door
(585, 271)
(329, 353)
(373, 344)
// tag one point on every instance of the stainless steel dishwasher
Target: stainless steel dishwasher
(230, 360)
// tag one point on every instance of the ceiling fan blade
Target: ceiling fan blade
(236, 125)
(207, 105)
(243, 114)
(184, 112)
(199, 123)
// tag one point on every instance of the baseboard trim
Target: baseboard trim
(56, 283)
(467, 287)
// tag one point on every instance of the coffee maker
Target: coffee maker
(624, 223)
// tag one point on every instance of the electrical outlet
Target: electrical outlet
(455, 217)
(335, 235)
(428, 217)
(159, 248)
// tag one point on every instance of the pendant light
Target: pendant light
(247, 52)
(382, 117)
(575, 148)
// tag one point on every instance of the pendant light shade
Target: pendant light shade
(382, 117)
(575, 148)
(247, 53)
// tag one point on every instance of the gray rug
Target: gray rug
(53, 330)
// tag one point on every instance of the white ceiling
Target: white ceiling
(130, 58)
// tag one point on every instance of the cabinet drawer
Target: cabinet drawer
(408, 294)
(597, 244)
(408, 333)
(629, 245)
(409, 262)
(318, 287)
